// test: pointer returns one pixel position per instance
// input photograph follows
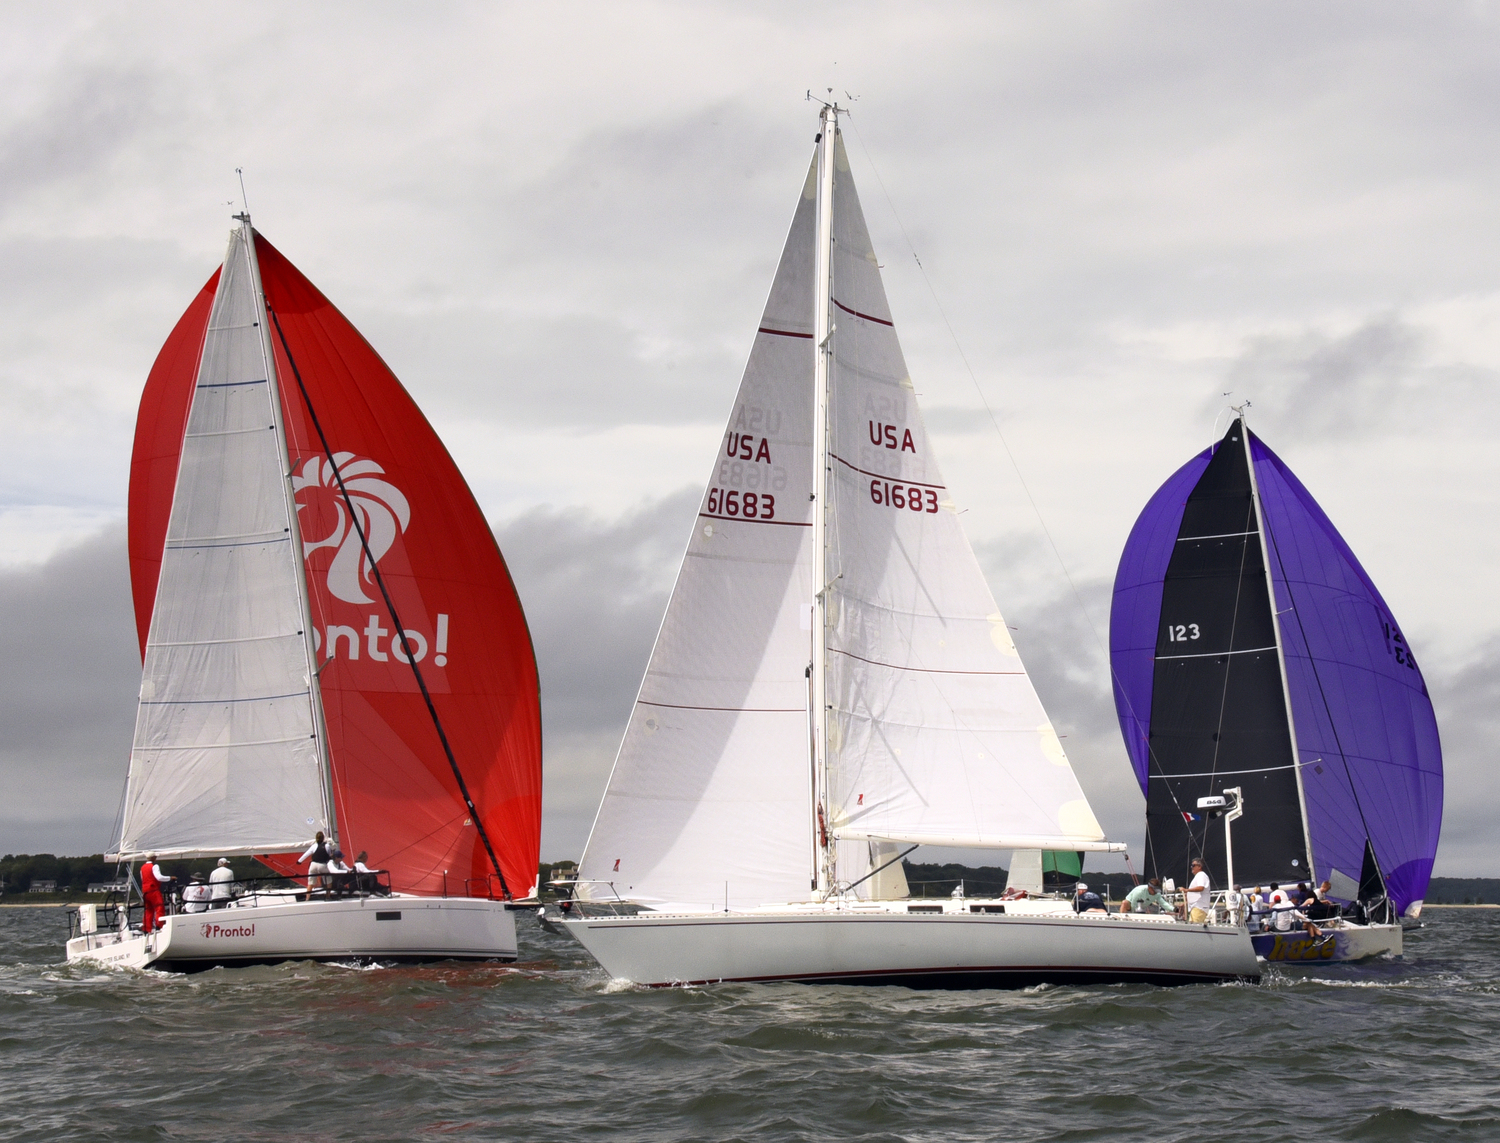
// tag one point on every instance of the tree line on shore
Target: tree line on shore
(76, 874)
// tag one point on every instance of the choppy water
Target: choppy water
(549, 1050)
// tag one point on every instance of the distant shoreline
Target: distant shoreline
(65, 904)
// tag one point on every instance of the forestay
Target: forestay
(709, 801)
(226, 756)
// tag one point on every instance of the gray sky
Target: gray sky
(559, 225)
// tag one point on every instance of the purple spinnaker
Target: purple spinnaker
(1135, 613)
(1365, 730)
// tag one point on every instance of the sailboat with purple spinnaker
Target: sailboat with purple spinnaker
(1251, 649)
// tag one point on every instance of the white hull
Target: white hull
(1345, 943)
(918, 950)
(269, 928)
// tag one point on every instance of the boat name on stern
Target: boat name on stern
(212, 930)
(1301, 948)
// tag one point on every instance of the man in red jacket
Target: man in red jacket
(152, 879)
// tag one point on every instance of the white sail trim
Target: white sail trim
(225, 757)
(987, 841)
(937, 734)
(710, 801)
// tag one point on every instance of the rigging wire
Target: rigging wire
(1322, 694)
(390, 606)
(1234, 622)
(1025, 487)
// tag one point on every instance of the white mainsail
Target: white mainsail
(934, 733)
(227, 755)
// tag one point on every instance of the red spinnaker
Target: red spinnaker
(395, 795)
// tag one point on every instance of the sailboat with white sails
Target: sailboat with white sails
(330, 641)
(834, 685)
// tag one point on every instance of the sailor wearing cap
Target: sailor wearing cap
(221, 885)
(195, 896)
(1199, 898)
(1087, 901)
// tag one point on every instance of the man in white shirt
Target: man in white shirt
(343, 876)
(195, 896)
(221, 885)
(1199, 898)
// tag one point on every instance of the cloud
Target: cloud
(1131, 212)
(1467, 702)
(67, 697)
(104, 109)
(594, 590)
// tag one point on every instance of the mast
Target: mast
(1286, 691)
(822, 357)
(314, 690)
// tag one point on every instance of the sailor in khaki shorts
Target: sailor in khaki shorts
(1199, 900)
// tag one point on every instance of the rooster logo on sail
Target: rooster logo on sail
(383, 515)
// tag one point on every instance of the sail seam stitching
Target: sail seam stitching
(1217, 654)
(748, 520)
(867, 317)
(215, 702)
(727, 709)
(886, 476)
(922, 670)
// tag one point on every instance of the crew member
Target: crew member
(1283, 909)
(1322, 906)
(1260, 911)
(1200, 906)
(152, 880)
(1145, 898)
(195, 896)
(343, 876)
(221, 885)
(1087, 901)
(365, 879)
(318, 866)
